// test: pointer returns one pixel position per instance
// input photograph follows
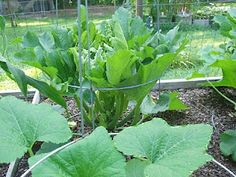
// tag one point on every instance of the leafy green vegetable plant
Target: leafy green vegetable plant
(23, 124)
(127, 59)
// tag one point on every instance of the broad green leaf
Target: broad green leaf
(179, 149)
(22, 81)
(22, 124)
(225, 25)
(63, 39)
(2, 23)
(116, 65)
(47, 91)
(229, 72)
(34, 57)
(94, 156)
(47, 41)
(119, 41)
(167, 101)
(16, 74)
(146, 77)
(30, 40)
(138, 27)
(171, 35)
(135, 168)
(228, 143)
(123, 16)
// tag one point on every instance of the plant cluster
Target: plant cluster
(127, 59)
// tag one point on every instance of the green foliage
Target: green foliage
(228, 143)
(23, 81)
(22, 124)
(127, 59)
(94, 156)
(157, 150)
(223, 57)
(164, 150)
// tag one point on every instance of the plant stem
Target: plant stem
(137, 113)
(84, 111)
(126, 119)
(31, 153)
(120, 99)
(225, 97)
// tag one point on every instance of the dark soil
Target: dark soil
(205, 106)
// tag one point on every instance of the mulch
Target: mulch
(205, 106)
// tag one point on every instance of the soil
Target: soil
(205, 106)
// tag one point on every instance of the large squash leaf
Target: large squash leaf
(172, 150)
(94, 156)
(22, 124)
(229, 72)
(228, 143)
(135, 168)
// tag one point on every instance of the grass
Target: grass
(188, 62)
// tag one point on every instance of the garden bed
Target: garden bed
(205, 106)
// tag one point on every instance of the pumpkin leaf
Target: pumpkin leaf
(159, 143)
(94, 156)
(22, 124)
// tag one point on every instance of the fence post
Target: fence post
(139, 8)
(158, 15)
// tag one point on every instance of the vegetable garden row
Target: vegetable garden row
(109, 71)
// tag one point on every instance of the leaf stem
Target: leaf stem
(30, 151)
(225, 97)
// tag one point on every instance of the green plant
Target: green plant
(157, 149)
(23, 124)
(127, 59)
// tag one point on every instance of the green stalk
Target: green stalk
(4, 40)
(137, 113)
(30, 151)
(120, 99)
(84, 111)
(4, 44)
(225, 97)
(126, 119)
